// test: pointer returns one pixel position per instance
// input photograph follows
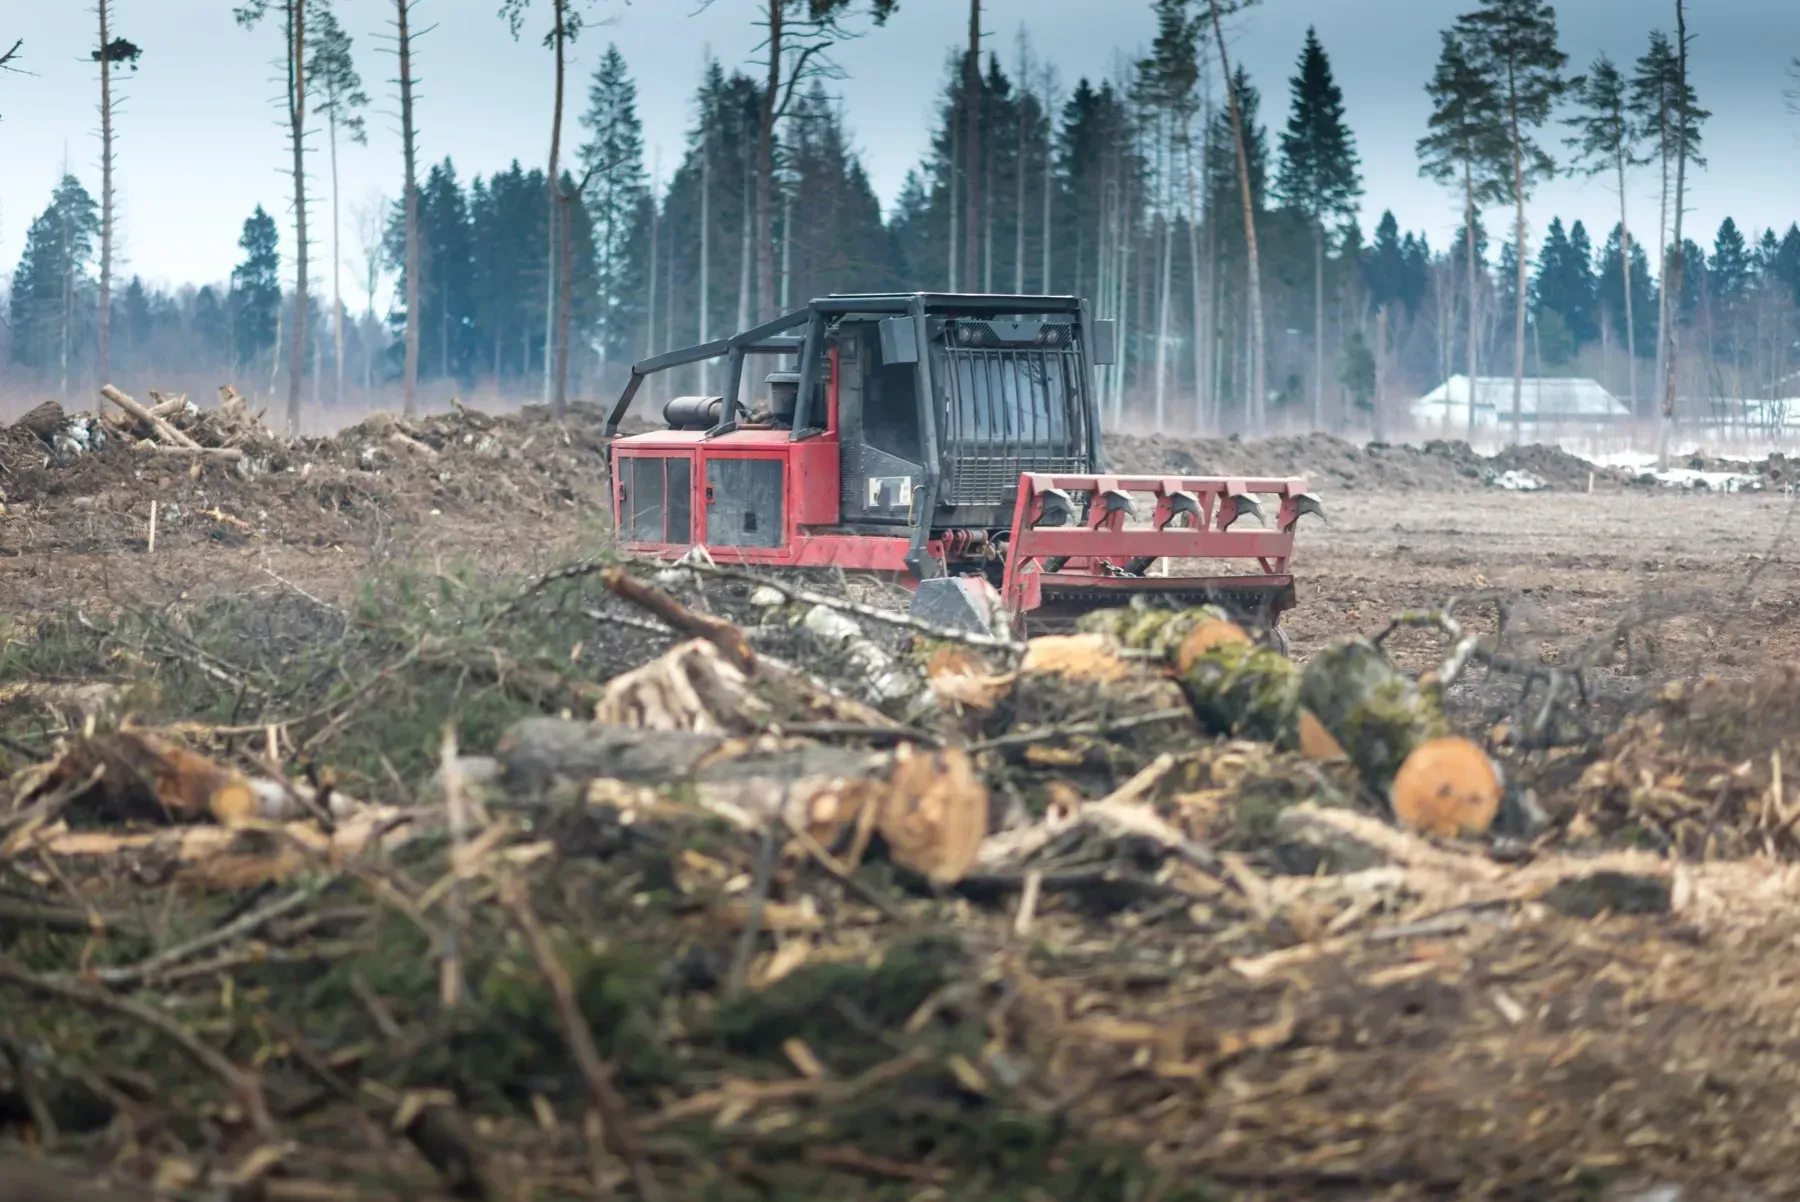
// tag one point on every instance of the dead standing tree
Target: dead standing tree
(403, 40)
(565, 26)
(1220, 9)
(334, 74)
(805, 29)
(293, 21)
(110, 50)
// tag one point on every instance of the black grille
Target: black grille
(996, 481)
(1010, 406)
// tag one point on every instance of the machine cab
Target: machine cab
(895, 420)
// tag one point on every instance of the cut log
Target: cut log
(1236, 687)
(1447, 787)
(42, 421)
(1356, 702)
(158, 448)
(1375, 712)
(169, 434)
(931, 809)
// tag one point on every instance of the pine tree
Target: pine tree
(256, 290)
(333, 72)
(1513, 44)
(1461, 149)
(1669, 113)
(617, 186)
(1319, 179)
(50, 287)
(1608, 138)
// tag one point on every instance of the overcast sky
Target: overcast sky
(199, 145)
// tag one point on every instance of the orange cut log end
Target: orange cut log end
(1447, 787)
(1215, 632)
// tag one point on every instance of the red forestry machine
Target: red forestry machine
(952, 442)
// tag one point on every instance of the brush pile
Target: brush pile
(662, 884)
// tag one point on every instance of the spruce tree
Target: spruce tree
(1461, 150)
(612, 159)
(1319, 178)
(1731, 264)
(1608, 138)
(1513, 44)
(256, 290)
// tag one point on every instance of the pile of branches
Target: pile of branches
(689, 919)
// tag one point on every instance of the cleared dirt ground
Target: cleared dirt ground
(1275, 1040)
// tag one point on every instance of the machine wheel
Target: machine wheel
(1277, 639)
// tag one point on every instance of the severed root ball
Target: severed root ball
(1447, 787)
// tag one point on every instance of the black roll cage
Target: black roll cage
(776, 338)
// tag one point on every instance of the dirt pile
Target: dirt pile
(1330, 463)
(78, 485)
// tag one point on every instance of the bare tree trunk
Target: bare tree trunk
(706, 158)
(1474, 290)
(1165, 282)
(1662, 237)
(565, 311)
(1625, 266)
(1258, 388)
(1019, 174)
(952, 173)
(555, 361)
(1127, 232)
(1673, 284)
(408, 136)
(1049, 177)
(106, 203)
(1319, 326)
(747, 247)
(297, 121)
(1518, 174)
(971, 148)
(987, 223)
(1378, 405)
(337, 269)
(1194, 281)
(765, 171)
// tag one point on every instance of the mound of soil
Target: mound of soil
(93, 494)
(1331, 463)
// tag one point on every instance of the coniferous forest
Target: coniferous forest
(1130, 190)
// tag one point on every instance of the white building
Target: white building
(1444, 411)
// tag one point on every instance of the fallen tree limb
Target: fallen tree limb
(169, 434)
(617, 1130)
(720, 633)
(242, 1083)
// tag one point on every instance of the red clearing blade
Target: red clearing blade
(1080, 543)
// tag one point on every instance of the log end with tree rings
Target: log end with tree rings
(1447, 787)
(935, 815)
(1213, 632)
